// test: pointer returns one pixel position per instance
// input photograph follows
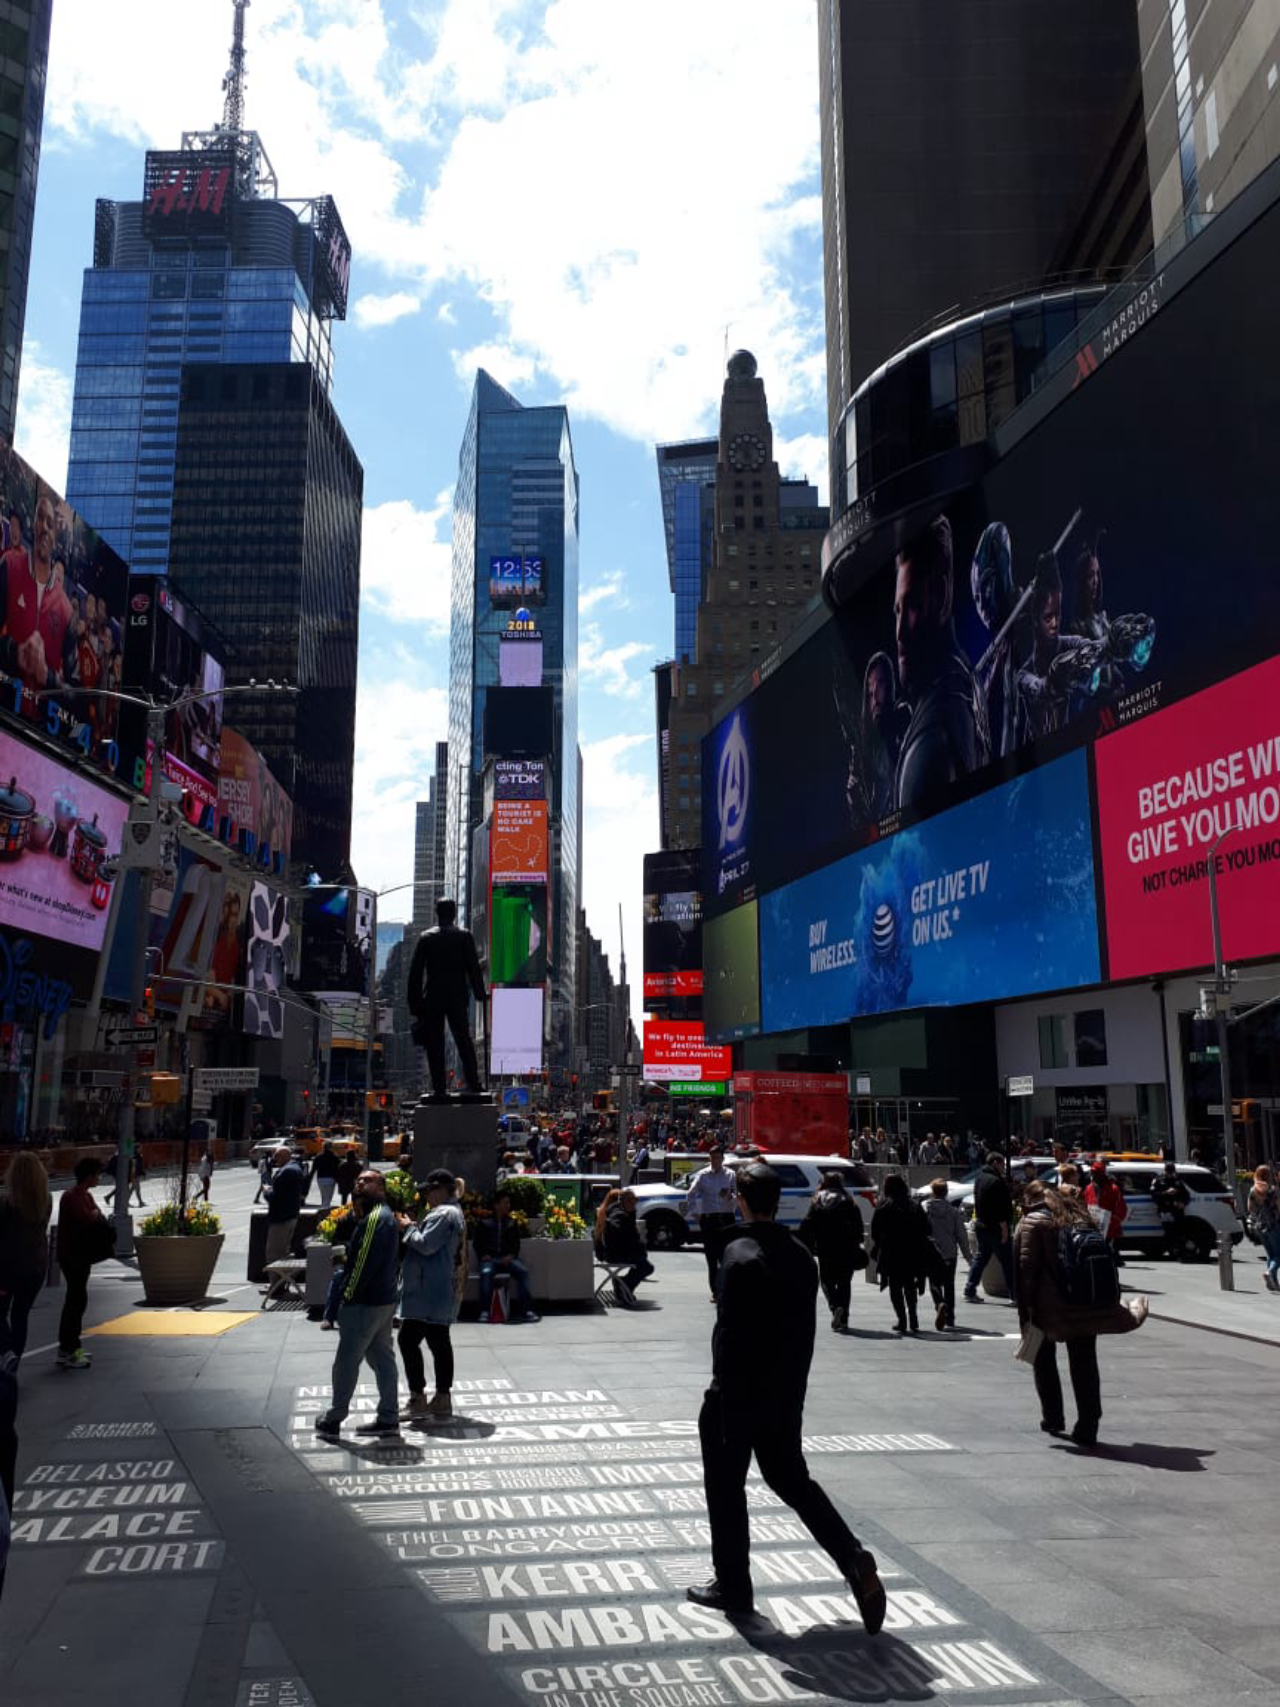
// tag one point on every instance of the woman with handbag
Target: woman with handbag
(833, 1232)
(1264, 1220)
(900, 1246)
(25, 1209)
(85, 1237)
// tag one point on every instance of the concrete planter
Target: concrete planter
(560, 1271)
(177, 1270)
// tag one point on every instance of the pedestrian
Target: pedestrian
(85, 1236)
(618, 1232)
(206, 1175)
(324, 1172)
(25, 1209)
(761, 1350)
(950, 1240)
(366, 1313)
(1264, 1220)
(712, 1197)
(1103, 1195)
(284, 1202)
(900, 1245)
(992, 1219)
(264, 1178)
(434, 1256)
(139, 1174)
(498, 1251)
(833, 1231)
(1171, 1197)
(347, 1175)
(1045, 1305)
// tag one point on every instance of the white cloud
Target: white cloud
(610, 591)
(384, 310)
(607, 666)
(803, 456)
(398, 722)
(621, 827)
(42, 432)
(405, 560)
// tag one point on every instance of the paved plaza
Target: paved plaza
(183, 1540)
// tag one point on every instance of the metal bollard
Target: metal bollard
(1226, 1273)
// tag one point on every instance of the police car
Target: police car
(1210, 1212)
(667, 1226)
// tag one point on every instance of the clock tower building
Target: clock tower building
(762, 575)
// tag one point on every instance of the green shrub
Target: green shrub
(167, 1223)
(526, 1191)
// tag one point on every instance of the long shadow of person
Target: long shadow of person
(841, 1664)
(1180, 1458)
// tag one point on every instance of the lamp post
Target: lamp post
(1222, 983)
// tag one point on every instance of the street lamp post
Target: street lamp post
(1222, 982)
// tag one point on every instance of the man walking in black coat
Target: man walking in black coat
(761, 1351)
(445, 967)
(992, 1221)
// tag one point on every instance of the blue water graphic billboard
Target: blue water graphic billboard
(992, 899)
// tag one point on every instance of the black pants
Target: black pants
(715, 1232)
(903, 1295)
(15, 1312)
(836, 1275)
(1082, 1362)
(728, 1442)
(433, 1022)
(640, 1270)
(74, 1304)
(942, 1289)
(436, 1334)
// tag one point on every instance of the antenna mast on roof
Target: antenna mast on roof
(233, 82)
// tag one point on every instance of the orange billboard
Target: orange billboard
(518, 842)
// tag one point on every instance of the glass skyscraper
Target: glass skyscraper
(687, 481)
(24, 57)
(517, 496)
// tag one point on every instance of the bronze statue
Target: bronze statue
(444, 971)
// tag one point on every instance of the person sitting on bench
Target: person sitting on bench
(497, 1244)
(622, 1240)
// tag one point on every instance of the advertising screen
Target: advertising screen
(994, 898)
(731, 974)
(254, 802)
(517, 722)
(518, 939)
(337, 946)
(672, 928)
(518, 842)
(520, 660)
(169, 654)
(266, 960)
(519, 779)
(1168, 788)
(515, 579)
(677, 1049)
(515, 1024)
(226, 963)
(62, 604)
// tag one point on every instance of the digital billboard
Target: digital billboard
(519, 779)
(515, 1031)
(265, 962)
(994, 898)
(518, 722)
(170, 654)
(337, 945)
(1168, 789)
(731, 974)
(518, 842)
(678, 1049)
(515, 579)
(252, 803)
(672, 929)
(518, 934)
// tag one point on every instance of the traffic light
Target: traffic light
(149, 1001)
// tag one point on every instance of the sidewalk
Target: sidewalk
(1191, 1295)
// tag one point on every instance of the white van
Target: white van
(667, 1226)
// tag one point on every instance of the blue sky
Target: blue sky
(590, 200)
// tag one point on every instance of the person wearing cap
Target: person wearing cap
(1102, 1193)
(1171, 1197)
(712, 1197)
(366, 1312)
(761, 1350)
(434, 1277)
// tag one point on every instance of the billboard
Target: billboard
(515, 1031)
(170, 654)
(672, 929)
(265, 962)
(337, 940)
(519, 779)
(251, 803)
(185, 194)
(992, 899)
(677, 1049)
(1168, 789)
(520, 653)
(62, 602)
(518, 722)
(518, 934)
(731, 974)
(515, 579)
(518, 842)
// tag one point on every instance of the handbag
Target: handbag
(1029, 1345)
(99, 1240)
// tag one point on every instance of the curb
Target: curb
(1212, 1328)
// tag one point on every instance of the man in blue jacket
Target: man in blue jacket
(365, 1314)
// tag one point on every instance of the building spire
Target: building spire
(233, 82)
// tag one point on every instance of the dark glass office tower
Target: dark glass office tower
(267, 498)
(516, 500)
(24, 57)
(687, 482)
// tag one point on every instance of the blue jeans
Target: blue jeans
(989, 1244)
(1271, 1245)
(519, 1274)
(364, 1336)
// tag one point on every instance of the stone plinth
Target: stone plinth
(460, 1136)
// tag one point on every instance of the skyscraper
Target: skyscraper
(429, 844)
(24, 57)
(516, 504)
(686, 480)
(204, 440)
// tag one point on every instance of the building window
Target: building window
(1091, 1037)
(1053, 1046)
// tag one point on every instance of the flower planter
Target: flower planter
(177, 1270)
(560, 1270)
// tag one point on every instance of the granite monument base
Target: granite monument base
(460, 1136)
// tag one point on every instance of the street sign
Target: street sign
(130, 1036)
(201, 1102)
(863, 1085)
(628, 1070)
(696, 1088)
(226, 1079)
(1021, 1085)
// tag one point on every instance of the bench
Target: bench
(287, 1278)
(613, 1289)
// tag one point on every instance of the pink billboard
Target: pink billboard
(1168, 788)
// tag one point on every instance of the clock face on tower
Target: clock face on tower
(746, 451)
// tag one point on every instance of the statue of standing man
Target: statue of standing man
(445, 970)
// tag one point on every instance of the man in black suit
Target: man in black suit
(444, 970)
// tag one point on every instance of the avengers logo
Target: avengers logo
(733, 785)
(24, 990)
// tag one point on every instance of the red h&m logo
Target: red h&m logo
(189, 192)
(1086, 365)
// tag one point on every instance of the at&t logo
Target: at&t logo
(733, 785)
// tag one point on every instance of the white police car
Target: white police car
(1210, 1212)
(667, 1226)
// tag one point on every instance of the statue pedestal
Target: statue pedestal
(460, 1136)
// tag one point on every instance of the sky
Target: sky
(593, 202)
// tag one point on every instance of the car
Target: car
(667, 1225)
(1211, 1212)
(960, 1187)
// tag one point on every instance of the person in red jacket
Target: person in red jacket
(1102, 1192)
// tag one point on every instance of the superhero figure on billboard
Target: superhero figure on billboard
(875, 740)
(946, 737)
(995, 599)
(1060, 665)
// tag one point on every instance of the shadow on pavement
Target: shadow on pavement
(456, 1427)
(841, 1664)
(1181, 1458)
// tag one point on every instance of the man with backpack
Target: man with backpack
(992, 1219)
(1068, 1291)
